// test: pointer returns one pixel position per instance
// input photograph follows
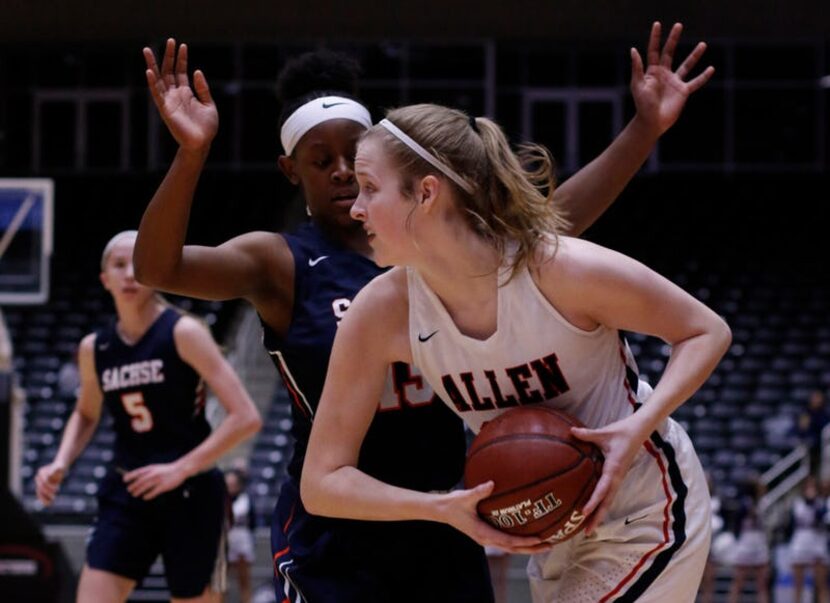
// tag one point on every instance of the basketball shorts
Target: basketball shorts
(185, 526)
(653, 543)
(323, 560)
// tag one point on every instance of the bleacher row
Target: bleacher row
(741, 421)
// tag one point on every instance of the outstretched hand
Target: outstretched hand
(660, 93)
(190, 113)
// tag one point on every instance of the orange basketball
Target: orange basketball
(543, 475)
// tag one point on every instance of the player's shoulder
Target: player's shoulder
(389, 287)
(573, 258)
(384, 299)
(189, 327)
(87, 345)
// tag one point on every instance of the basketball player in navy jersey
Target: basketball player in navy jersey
(160, 495)
(302, 284)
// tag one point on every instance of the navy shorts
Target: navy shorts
(323, 560)
(184, 526)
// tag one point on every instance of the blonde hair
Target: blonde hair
(124, 234)
(133, 234)
(512, 192)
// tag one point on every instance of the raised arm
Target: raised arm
(659, 96)
(79, 428)
(247, 266)
(197, 348)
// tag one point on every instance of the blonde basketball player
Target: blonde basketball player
(483, 285)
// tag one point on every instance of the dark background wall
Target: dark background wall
(743, 177)
(127, 20)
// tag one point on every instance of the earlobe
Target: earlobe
(286, 165)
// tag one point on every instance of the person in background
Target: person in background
(808, 545)
(715, 558)
(810, 425)
(161, 494)
(241, 552)
(750, 556)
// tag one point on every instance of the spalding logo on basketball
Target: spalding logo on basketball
(543, 475)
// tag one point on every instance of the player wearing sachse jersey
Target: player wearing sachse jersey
(160, 494)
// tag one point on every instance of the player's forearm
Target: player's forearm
(690, 365)
(586, 195)
(349, 493)
(236, 427)
(161, 234)
(76, 436)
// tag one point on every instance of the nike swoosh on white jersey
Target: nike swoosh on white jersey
(316, 261)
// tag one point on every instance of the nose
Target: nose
(130, 271)
(343, 172)
(358, 209)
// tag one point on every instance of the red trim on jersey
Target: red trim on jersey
(290, 518)
(669, 500)
(277, 555)
(295, 395)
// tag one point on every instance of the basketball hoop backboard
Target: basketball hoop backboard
(26, 212)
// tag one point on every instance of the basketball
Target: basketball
(543, 475)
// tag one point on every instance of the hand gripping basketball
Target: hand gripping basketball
(543, 475)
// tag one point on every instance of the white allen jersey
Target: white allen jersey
(535, 357)
(654, 540)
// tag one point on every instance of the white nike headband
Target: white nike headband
(427, 156)
(315, 112)
(124, 234)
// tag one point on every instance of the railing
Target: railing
(781, 483)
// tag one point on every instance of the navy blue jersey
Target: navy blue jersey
(156, 399)
(414, 440)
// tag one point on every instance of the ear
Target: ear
(428, 191)
(286, 165)
(104, 280)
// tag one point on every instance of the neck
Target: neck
(135, 319)
(465, 279)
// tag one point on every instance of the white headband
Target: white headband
(427, 156)
(113, 241)
(318, 110)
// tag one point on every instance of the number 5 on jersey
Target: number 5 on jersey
(133, 403)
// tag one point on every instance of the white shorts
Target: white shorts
(808, 547)
(653, 543)
(751, 549)
(240, 545)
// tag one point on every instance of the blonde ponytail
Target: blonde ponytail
(507, 199)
